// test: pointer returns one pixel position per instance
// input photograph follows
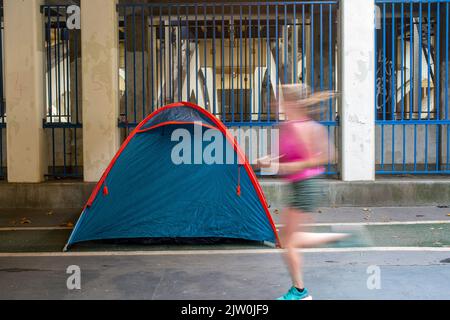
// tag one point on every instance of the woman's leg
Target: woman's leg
(293, 237)
(294, 220)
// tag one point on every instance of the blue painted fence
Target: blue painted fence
(228, 57)
(412, 86)
(2, 106)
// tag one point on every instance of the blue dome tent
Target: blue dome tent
(144, 193)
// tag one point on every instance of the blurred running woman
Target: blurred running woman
(304, 149)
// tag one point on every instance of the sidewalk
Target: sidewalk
(60, 217)
(41, 230)
(409, 246)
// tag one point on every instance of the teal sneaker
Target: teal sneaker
(293, 294)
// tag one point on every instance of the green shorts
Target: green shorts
(303, 195)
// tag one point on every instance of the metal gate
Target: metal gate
(63, 94)
(412, 87)
(229, 58)
(2, 106)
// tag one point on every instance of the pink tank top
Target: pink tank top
(293, 149)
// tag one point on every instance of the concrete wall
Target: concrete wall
(382, 193)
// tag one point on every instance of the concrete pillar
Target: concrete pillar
(24, 81)
(100, 83)
(357, 90)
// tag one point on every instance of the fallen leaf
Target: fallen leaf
(67, 224)
(25, 221)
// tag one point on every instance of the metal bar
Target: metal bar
(414, 121)
(402, 80)
(214, 60)
(303, 45)
(277, 64)
(402, 58)
(419, 100)
(259, 64)
(250, 54)
(134, 64)
(223, 64)
(330, 60)
(77, 120)
(57, 62)
(232, 61)
(437, 93)
(143, 25)
(285, 44)
(428, 60)
(384, 60)
(196, 53)
(151, 58)
(241, 91)
(180, 61)
(393, 87)
(268, 55)
(169, 45)
(321, 57)
(49, 66)
(294, 57)
(446, 80)
(205, 90)
(312, 49)
(188, 57)
(161, 25)
(411, 62)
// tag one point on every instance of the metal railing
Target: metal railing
(63, 100)
(228, 57)
(2, 105)
(412, 87)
